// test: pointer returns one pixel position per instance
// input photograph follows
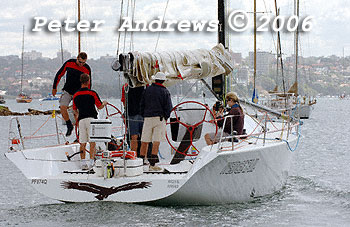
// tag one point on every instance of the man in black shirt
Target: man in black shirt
(74, 68)
(84, 102)
(131, 99)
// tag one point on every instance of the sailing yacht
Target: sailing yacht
(289, 101)
(238, 168)
(22, 97)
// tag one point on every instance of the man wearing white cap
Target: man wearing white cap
(156, 106)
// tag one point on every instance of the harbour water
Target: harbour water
(317, 192)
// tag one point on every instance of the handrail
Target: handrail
(266, 120)
(19, 139)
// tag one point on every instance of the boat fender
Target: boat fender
(15, 141)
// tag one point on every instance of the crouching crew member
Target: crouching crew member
(237, 118)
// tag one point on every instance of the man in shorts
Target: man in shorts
(84, 102)
(131, 99)
(156, 106)
(74, 68)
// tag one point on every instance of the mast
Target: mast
(78, 22)
(254, 46)
(296, 34)
(221, 18)
(22, 61)
(218, 82)
(62, 59)
(279, 54)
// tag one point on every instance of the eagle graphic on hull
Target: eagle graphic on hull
(104, 192)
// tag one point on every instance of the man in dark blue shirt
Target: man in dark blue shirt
(156, 106)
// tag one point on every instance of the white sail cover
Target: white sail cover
(177, 65)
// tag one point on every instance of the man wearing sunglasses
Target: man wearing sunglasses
(72, 68)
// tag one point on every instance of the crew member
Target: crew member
(73, 69)
(131, 99)
(156, 106)
(84, 102)
(235, 115)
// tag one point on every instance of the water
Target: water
(317, 193)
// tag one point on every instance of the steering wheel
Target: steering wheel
(191, 127)
(117, 112)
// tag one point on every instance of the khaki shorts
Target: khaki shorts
(84, 130)
(65, 99)
(153, 129)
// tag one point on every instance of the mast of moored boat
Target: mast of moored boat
(296, 35)
(279, 56)
(22, 69)
(254, 52)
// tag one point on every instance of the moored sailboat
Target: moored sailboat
(22, 97)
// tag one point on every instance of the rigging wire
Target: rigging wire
(166, 6)
(125, 34)
(132, 21)
(120, 22)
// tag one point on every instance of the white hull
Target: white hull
(214, 178)
(305, 111)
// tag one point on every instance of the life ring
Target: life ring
(128, 154)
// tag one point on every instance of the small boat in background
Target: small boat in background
(2, 100)
(50, 97)
(23, 98)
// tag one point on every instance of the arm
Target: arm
(90, 85)
(123, 94)
(142, 103)
(75, 111)
(104, 103)
(168, 106)
(76, 115)
(232, 115)
(58, 77)
(98, 102)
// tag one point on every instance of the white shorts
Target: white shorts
(84, 130)
(153, 129)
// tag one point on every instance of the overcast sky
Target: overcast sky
(329, 35)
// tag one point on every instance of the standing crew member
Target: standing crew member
(131, 103)
(156, 106)
(84, 101)
(74, 68)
